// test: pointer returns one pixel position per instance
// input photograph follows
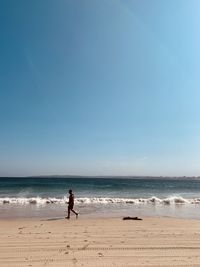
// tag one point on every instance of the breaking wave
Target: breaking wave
(98, 200)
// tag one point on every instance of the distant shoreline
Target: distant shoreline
(103, 177)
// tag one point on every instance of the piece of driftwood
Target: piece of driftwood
(132, 218)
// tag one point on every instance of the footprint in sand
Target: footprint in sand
(100, 254)
(74, 260)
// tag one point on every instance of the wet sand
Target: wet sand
(100, 242)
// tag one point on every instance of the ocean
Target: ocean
(47, 197)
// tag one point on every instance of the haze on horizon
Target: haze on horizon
(100, 87)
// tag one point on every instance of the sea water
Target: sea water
(47, 197)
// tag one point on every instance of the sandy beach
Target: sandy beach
(100, 242)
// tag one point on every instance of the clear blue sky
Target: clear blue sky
(107, 87)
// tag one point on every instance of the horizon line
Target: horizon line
(100, 176)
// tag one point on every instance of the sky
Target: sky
(100, 87)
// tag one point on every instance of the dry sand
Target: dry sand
(100, 242)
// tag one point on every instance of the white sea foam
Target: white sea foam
(99, 200)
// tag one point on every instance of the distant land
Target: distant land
(105, 176)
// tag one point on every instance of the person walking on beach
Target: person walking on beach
(71, 205)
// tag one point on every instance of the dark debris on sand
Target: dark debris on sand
(132, 218)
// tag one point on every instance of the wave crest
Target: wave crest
(98, 200)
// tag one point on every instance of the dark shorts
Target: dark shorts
(70, 207)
